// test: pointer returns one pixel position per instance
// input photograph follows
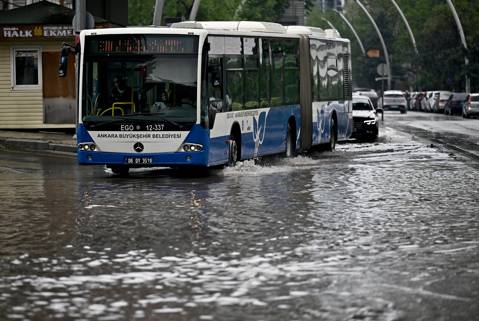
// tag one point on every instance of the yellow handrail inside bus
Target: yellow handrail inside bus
(125, 103)
(117, 105)
(112, 108)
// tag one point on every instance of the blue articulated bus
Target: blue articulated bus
(204, 94)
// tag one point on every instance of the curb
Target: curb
(35, 145)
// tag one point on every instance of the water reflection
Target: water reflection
(332, 236)
(39, 204)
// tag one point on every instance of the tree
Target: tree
(440, 63)
(263, 10)
(140, 12)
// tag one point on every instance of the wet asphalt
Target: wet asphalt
(384, 230)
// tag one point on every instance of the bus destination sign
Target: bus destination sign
(142, 44)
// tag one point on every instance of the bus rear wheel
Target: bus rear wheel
(120, 170)
(290, 142)
(333, 136)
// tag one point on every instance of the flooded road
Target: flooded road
(374, 231)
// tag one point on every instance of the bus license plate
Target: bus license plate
(138, 160)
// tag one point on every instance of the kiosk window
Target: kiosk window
(26, 68)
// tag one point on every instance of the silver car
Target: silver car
(471, 107)
(393, 100)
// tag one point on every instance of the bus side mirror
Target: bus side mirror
(62, 69)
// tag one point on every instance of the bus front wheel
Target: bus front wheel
(233, 152)
(120, 170)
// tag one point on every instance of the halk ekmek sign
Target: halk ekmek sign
(36, 32)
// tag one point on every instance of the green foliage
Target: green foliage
(217, 10)
(262, 10)
(140, 12)
(440, 64)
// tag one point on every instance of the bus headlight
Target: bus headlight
(87, 147)
(190, 147)
(370, 122)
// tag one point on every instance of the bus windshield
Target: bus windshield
(150, 83)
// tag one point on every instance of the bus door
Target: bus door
(305, 93)
(215, 88)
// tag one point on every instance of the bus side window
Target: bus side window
(215, 88)
(251, 65)
(234, 72)
(265, 74)
(291, 72)
(215, 81)
(277, 79)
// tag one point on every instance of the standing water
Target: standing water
(375, 231)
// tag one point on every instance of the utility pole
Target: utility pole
(194, 10)
(158, 12)
(80, 12)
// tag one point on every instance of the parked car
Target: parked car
(420, 101)
(370, 93)
(429, 100)
(365, 119)
(410, 102)
(439, 100)
(471, 107)
(455, 104)
(393, 100)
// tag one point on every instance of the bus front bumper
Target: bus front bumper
(143, 160)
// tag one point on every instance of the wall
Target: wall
(24, 109)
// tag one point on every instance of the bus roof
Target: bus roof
(141, 30)
(260, 27)
(225, 27)
(251, 26)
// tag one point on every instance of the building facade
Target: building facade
(32, 95)
(294, 13)
(13, 4)
(330, 4)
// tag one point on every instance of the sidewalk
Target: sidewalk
(37, 141)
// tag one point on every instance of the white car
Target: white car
(430, 100)
(365, 119)
(439, 100)
(393, 100)
(370, 93)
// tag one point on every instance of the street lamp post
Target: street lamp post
(385, 49)
(353, 30)
(403, 17)
(329, 23)
(463, 41)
